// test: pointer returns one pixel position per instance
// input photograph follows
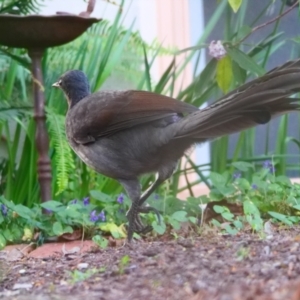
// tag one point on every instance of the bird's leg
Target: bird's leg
(133, 189)
(146, 194)
(161, 176)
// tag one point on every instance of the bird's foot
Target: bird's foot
(147, 209)
(135, 222)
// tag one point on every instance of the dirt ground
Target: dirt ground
(210, 266)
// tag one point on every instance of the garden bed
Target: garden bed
(210, 266)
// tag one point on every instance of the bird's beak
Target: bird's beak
(56, 84)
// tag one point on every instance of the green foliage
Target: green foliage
(79, 276)
(259, 192)
(112, 55)
(100, 241)
(235, 4)
(224, 73)
(63, 161)
(19, 7)
(124, 262)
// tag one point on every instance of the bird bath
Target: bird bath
(36, 33)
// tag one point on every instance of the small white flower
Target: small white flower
(202, 206)
(216, 49)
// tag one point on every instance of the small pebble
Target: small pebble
(267, 250)
(82, 266)
(19, 286)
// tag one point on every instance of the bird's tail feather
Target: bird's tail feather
(256, 102)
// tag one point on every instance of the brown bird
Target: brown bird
(124, 134)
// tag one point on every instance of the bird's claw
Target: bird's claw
(147, 209)
(135, 222)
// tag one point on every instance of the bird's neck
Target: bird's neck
(74, 96)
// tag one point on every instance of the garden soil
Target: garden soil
(210, 266)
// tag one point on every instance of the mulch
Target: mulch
(211, 266)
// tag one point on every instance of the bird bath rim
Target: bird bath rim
(42, 31)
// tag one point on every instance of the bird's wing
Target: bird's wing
(105, 113)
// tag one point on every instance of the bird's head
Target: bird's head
(75, 86)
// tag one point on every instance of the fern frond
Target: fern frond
(63, 158)
(19, 7)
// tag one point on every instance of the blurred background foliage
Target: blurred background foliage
(109, 53)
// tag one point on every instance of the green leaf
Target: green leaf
(193, 220)
(228, 216)
(243, 166)
(250, 208)
(16, 231)
(179, 216)
(63, 157)
(224, 73)
(215, 223)
(226, 190)
(24, 211)
(73, 213)
(2, 241)
(206, 77)
(297, 207)
(245, 61)
(68, 229)
(52, 205)
(8, 235)
(243, 184)
(235, 4)
(217, 179)
(243, 31)
(238, 224)
(282, 218)
(100, 241)
(116, 231)
(239, 74)
(230, 230)
(125, 260)
(97, 195)
(219, 209)
(57, 228)
(160, 229)
(174, 223)
(7, 203)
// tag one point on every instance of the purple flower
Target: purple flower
(156, 196)
(94, 216)
(268, 165)
(272, 169)
(237, 175)
(86, 201)
(254, 186)
(4, 210)
(73, 201)
(101, 216)
(120, 198)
